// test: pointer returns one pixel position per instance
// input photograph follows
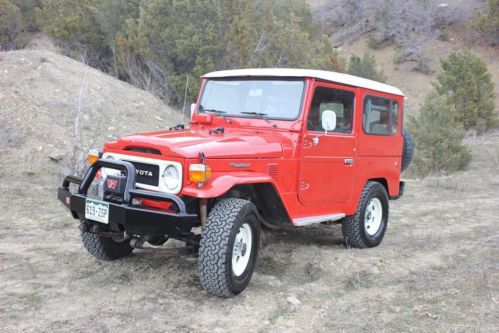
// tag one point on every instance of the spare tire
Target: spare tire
(407, 150)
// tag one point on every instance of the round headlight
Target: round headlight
(171, 177)
(109, 171)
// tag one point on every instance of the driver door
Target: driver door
(328, 158)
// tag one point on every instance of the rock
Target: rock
(293, 300)
(56, 158)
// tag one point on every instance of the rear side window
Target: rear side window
(380, 116)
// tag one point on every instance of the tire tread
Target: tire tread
(104, 248)
(212, 267)
(352, 225)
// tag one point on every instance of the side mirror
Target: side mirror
(193, 108)
(328, 120)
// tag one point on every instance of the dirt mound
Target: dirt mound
(40, 94)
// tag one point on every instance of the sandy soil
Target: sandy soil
(436, 270)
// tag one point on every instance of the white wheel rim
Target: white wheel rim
(241, 252)
(373, 216)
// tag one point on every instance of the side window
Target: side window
(339, 101)
(380, 116)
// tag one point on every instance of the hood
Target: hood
(189, 143)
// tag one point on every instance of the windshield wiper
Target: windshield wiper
(261, 115)
(217, 112)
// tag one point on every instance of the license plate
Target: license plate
(96, 210)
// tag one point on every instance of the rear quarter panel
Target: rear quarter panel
(379, 156)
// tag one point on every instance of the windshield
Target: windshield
(274, 99)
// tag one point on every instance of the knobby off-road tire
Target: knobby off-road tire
(364, 229)
(105, 248)
(407, 150)
(231, 221)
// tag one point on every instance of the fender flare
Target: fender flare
(219, 185)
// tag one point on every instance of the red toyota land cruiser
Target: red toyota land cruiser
(265, 147)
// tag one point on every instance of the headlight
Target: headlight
(109, 171)
(171, 178)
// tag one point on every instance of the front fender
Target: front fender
(220, 183)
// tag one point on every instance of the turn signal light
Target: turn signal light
(93, 156)
(199, 173)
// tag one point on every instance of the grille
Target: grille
(147, 174)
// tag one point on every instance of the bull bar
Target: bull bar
(126, 217)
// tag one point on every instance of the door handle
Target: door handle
(315, 140)
(348, 161)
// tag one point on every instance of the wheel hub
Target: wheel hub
(241, 251)
(373, 216)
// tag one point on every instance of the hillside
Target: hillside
(437, 45)
(40, 94)
(416, 85)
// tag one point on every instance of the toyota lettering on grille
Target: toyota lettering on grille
(144, 173)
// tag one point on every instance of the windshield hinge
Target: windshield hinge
(177, 127)
(218, 130)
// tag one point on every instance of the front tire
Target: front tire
(105, 248)
(229, 247)
(367, 227)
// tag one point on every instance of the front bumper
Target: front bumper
(125, 217)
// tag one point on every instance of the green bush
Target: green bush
(488, 24)
(180, 38)
(10, 24)
(29, 9)
(365, 67)
(375, 43)
(73, 25)
(468, 86)
(438, 138)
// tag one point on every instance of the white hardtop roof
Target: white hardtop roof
(322, 75)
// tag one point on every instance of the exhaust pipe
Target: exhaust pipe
(138, 243)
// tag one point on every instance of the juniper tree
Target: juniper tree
(468, 86)
(365, 67)
(10, 24)
(438, 138)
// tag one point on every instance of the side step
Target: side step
(301, 221)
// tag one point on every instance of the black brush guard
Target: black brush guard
(125, 217)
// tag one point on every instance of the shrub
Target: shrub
(29, 9)
(374, 43)
(438, 138)
(488, 24)
(468, 86)
(180, 38)
(365, 67)
(10, 24)
(76, 29)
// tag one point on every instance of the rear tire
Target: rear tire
(367, 227)
(229, 247)
(105, 248)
